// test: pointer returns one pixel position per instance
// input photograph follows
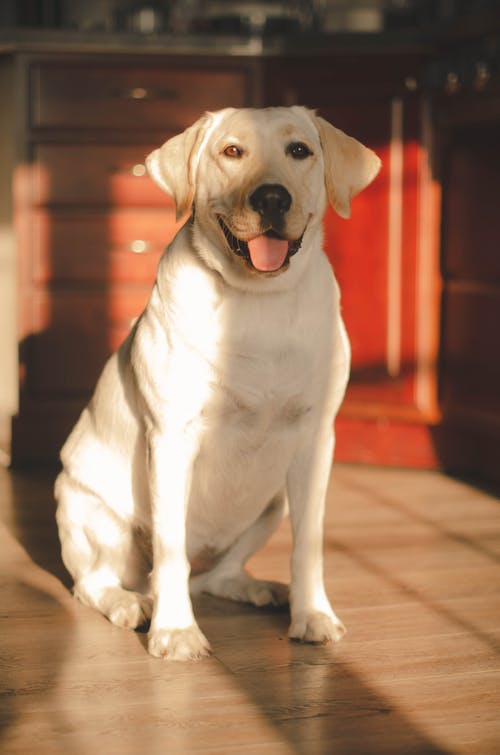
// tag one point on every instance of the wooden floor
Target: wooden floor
(413, 569)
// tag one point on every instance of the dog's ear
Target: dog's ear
(349, 166)
(173, 165)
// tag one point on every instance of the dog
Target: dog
(215, 416)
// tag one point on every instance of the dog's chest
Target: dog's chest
(251, 362)
(249, 430)
(263, 393)
(252, 403)
(251, 378)
(266, 373)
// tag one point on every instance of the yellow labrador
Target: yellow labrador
(216, 413)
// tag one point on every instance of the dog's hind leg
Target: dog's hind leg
(228, 579)
(100, 552)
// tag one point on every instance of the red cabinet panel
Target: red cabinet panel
(94, 174)
(121, 246)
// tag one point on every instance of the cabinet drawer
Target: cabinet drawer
(102, 174)
(77, 331)
(124, 97)
(118, 247)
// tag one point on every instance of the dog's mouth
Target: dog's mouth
(267, 253)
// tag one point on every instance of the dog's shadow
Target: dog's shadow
(313, 696)
(224, 620)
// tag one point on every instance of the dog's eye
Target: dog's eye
(233, 151)
(298, 150)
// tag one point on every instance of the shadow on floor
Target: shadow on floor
(314, 700)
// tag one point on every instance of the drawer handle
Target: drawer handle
(138, 170)
(139, 246)
(142, 93)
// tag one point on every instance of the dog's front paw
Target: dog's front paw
(187, 644)
(316, 627)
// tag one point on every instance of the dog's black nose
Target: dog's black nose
(271, 201)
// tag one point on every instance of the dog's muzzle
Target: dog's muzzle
(267, 253)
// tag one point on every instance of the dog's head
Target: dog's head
(259, 181)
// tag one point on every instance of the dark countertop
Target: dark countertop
(307, 43)
(471, 28)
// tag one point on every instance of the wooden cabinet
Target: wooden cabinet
(469, 124)
(91, 225)
(133, 95)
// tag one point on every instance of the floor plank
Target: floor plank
(412, 564)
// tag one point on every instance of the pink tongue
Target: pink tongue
(267, 254)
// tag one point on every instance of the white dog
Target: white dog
(217, 411)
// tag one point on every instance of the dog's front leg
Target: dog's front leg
(312, 618)
(174, 633)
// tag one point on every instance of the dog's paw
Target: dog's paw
(187, 644)
(131, 610)
(245, 589)
(316, 627)
(261, 592)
